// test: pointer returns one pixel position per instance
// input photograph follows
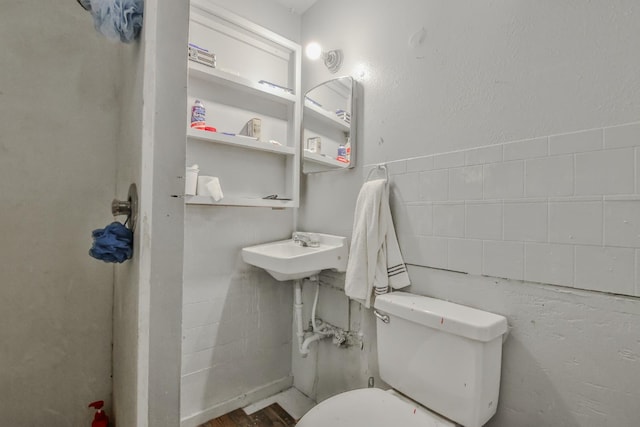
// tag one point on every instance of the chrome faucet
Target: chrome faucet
(306, 239)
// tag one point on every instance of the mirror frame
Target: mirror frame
(352, 128)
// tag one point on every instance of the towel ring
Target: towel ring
(377, 168)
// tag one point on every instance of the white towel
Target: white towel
(375, 260)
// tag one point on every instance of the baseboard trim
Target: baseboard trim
(241, 401)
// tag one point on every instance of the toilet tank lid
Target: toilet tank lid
(443, 315)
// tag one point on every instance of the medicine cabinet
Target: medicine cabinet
(329, 126)
(241, 71)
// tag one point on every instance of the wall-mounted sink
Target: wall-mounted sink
(289, 259)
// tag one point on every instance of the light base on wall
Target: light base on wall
(332, 59)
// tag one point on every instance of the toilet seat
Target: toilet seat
(371, 407)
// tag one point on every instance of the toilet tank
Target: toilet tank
(442, 355)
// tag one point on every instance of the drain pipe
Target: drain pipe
(318, 333)
(304, 348)
(297, 308)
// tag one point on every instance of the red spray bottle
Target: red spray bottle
(100, 419)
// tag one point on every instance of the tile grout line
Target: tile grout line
(603, 236)
(575, 265)
(524, 261)
(635, 271)
(573, 183)
(502, 213)
(635, 170)
(548, 202)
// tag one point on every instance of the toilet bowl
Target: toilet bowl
(371, 407)
(442, 360)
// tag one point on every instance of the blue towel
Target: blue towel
(114, 243)
(118, 19)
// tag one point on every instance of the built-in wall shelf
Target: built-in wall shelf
(324, 160)
(239, 141)
(239, 201)
(215, 76)
(326, 117)
(233, 95)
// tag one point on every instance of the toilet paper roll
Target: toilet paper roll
(191, 180)
(203, 180)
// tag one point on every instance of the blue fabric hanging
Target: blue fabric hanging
(117, 19)
(114, 243)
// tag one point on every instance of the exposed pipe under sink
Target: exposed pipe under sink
(320, 330)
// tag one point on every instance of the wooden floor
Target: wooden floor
(271, 416)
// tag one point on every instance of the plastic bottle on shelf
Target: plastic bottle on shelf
(342, 154)
(198, 114)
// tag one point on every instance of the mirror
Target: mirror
(328, 126)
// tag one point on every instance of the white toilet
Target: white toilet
(442, 360)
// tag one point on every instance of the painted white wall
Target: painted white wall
(148, 295)
(162, 210)
(236, 318)
(128, 393)
(485, 74)
(268, 14)
(59, 120)
(236, 321)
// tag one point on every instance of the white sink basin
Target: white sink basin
(287, 260)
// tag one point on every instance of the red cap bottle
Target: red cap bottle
(100, 419)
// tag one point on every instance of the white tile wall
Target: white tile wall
(549, 263)
(449, 160)
(465, 255)
(637, 169)
(575, 222)
(419, 164)
(529, 149)
(448, 219)
(397, 167)
(504, 180)
(549, 176)
(432, 251)
(576, 142)
(407, 187)
(434, 185)
(605, 269)
(465, 183)
(484, 155)
(560, 209)
(605, 172)
(622, 223)
(526, 221)
(637, 290)
(420, 218)
(484, 221)
(503, 259)
(622, 136)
